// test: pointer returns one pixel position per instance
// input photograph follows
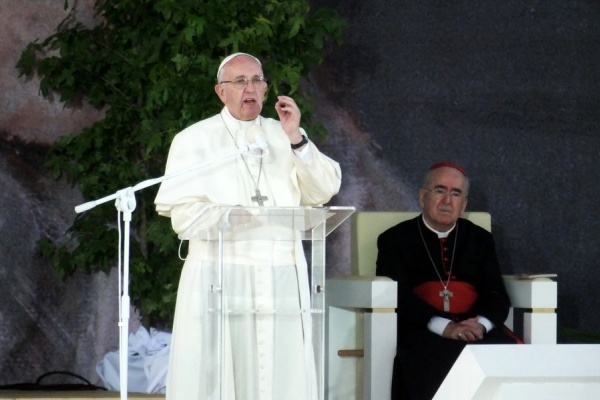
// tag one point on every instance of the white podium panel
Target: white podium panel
(524, 372)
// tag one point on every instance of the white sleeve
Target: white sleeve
(487, 324)
(438, 324)
(304, 154)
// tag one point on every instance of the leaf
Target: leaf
(297, 24)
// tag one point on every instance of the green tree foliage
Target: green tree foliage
(150, 65)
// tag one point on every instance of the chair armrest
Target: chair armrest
(537, 298)
(531, 293)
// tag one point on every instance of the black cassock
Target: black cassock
(407, 253)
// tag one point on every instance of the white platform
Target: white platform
(524, 372)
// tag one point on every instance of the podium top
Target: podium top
(237, 223)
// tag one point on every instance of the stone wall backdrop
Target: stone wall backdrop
(508, 89)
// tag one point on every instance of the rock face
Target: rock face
(24, 112)
(46, 324)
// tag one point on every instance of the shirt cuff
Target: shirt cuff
(488, 325)
(438, 324)
(304, 154)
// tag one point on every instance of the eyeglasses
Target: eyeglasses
(440, 192)
(241, 83)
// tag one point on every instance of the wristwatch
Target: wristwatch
(300, 143)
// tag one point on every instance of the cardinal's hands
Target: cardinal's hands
(468, 330)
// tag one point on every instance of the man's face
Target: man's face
(243, 103)
(444, 199)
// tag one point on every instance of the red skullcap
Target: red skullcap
(448, 164)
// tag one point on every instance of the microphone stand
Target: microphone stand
(126, 203)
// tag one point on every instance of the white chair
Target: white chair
(361, 319)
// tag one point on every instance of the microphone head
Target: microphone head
(255, 133)
(252, 131)
(255, 138)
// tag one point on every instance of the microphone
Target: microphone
(85, 206)
(256, 140)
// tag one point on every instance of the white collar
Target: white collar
(440, 235)
(241, 124)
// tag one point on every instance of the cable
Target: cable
(54, 387)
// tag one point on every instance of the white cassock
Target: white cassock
(268, 355)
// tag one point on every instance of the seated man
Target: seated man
(450, 289)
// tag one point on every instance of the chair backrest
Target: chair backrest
(368, 225)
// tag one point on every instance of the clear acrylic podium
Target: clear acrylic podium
(262, 301)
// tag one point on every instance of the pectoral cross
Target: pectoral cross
(446, 294)
(260, 199)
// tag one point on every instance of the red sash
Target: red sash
(463, 296)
